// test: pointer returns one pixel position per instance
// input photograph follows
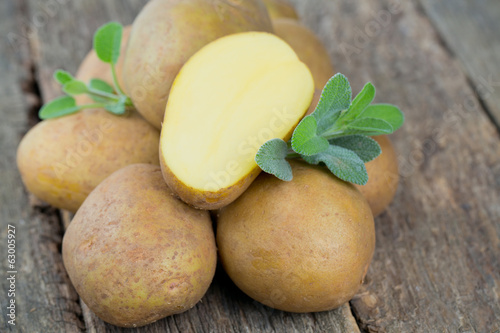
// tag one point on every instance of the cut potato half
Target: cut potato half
(232, 96)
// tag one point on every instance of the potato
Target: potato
(298, 246)
(232, 96)
(136, 254)
(281, 9)
(62, 160)
(166, 33)
(308, 47)
(383, 177)
(93, 68)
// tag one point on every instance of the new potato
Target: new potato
(231, 97)
(166, 33)
(298, 246)
(62, 160)
(281, 9)
(383, 177)
(308, 47)
(136, 254)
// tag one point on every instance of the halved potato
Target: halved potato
(232, 96)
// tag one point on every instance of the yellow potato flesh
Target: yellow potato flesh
(235, 94)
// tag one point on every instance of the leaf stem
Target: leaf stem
(115, 80)
(104, 94)
(92, 106)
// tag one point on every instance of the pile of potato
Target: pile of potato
(135, 251)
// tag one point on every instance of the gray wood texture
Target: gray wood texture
(44, 299)
(470, 29)
(436, 266)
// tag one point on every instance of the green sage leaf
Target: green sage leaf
(271, 158)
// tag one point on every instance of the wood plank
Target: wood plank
(224, 308)
(471, 30)
(436, 266)
(44, 298)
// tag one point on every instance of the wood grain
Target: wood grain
(44, 298)
(436, 266)
(470, 30)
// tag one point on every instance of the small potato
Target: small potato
(215, 124)
(136, 254)
(62, 160)
(308, 47)
(93, 68)
(298, 246)
(281, 9)
(383, 177)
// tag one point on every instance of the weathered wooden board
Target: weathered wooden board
(436, 266)
(44, 299)
(471, 31)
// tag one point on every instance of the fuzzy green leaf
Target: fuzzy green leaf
(63, 77)
(360, 103)
(271, 158)
(305, 141)
(336, 97)
(365, 147)
(59, 107)
(343, 163)
(75, 87)
(100, 85)
(387, 112)
(369, 127)
(107, 42)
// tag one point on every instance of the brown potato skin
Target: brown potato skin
(62, 160)
(135, 253)
(383, 177)
(308, 47)
(93, 68)
(166, 33)
(299, 246)
(281, 9)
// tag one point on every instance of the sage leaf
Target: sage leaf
(271, 158)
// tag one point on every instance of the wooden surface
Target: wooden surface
(436, 266)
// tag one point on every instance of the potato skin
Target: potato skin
(135, 253)
(298, 246)
(62, 160)
(308, 47)
(206, 200)
(281, 9)
(166, 33)
(383, 177)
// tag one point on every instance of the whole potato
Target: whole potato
(136, 254)
(308, 47)
(298, 246)
(281, 9)
(62, 160)
(166, 33)
(383, 177)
